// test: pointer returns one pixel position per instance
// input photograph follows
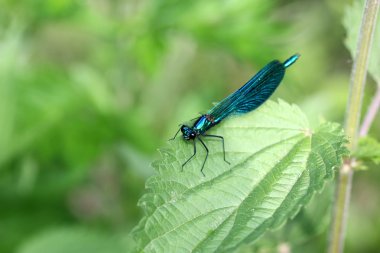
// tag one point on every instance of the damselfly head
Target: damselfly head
(188, 132)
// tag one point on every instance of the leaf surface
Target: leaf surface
(277, 163)
(368, 150)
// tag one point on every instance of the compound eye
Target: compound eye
(192, 134)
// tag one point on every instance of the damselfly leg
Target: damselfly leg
(204, 145)
(188, 160)
(176, 133)
(222, 139)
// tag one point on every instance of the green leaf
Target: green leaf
(352, 20)
(277, 163)
(306, 231)
(368, 150)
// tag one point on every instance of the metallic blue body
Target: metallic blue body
(203, 123)
(291, 60)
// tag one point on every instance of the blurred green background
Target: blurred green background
(90, 89)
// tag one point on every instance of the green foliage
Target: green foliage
(277, 164)
(230, 27)
(306, 232)
(74, 240)
(368, 150)
(90, 89)
(352, 21)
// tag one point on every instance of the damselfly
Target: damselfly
(250, 96)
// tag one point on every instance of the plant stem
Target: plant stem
(371, 113)
(354, 104)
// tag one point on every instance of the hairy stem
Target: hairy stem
(354, 104)
(371, 113)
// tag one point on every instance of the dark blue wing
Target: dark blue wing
(252, 94)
